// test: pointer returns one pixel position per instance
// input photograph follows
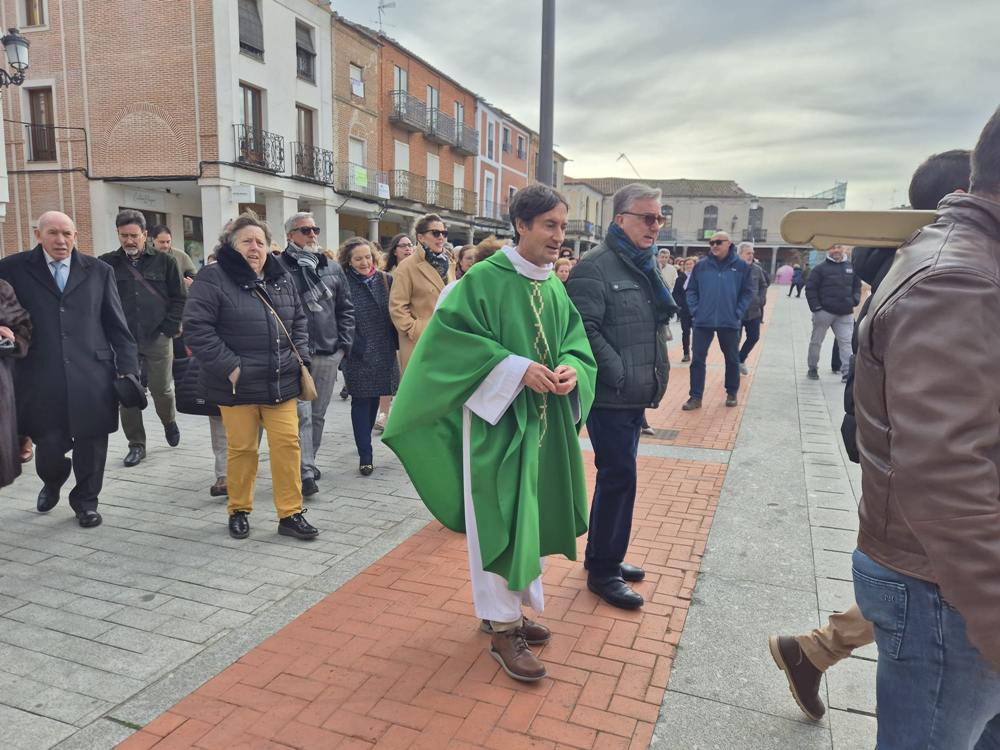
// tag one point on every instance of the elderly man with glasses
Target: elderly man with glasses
(330, 313)
(625, 306)
(718, 294)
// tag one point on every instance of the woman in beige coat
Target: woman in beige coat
(417, 282)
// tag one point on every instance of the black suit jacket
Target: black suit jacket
(80, 339)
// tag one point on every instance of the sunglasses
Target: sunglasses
(713, 243)
(308, 230)
(438, 232)
(652, 220)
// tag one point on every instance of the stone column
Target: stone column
(217, 208)
(373, 228)
(328, 220)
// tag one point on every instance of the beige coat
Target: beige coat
(416, 286)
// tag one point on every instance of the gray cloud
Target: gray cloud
(779, 95)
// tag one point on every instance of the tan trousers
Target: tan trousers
(843, 632)
(158, 355)
(243, 424)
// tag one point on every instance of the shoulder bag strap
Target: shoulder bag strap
(278, 318)
(142, 280)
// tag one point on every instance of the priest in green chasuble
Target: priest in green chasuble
(486, 423)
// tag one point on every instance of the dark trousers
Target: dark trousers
(729, 342)
(752, 328)
(835, 359)
(686, 334)
(614, 433)
(797, 288)
(87, 465)
(364, 411)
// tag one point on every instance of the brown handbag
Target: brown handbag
(306, 382)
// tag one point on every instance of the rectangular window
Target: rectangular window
(34, 13)
(357, 82)
(489, 200)
(305, 118)
(305, 53)
(356, 151)
(459, 113)
(251, 29)
(153, 218)
(506, 140)
(490, 142)
(401, 156)
(433, 167)
(400, 79)
(41, 141)
(521, 152)
(194, 241)
(433, 98)
(251, 113)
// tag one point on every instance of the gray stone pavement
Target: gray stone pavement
(777, 561)
(103, 629)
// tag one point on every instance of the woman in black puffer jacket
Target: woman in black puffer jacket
(248, 366)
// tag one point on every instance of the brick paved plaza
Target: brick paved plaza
(158, 630)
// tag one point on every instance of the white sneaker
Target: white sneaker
(743, 369)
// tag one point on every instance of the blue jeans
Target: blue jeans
(729, 341)
(614, 433)
(934, 689)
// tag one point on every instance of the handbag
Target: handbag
(307, 386)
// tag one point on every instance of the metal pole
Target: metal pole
(544, 173)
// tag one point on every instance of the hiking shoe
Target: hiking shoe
(296, 525)
(534, 633)
(691, 404)
(514, 657)
(812, 374)
(239, 524)
(803, 677)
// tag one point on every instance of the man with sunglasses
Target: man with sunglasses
(625, 306)
(330, 312)
(718, 294)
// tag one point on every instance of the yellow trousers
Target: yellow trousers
(243, 424)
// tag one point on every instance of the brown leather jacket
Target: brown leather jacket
(927, 401)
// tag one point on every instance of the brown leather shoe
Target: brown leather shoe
(803, 677)
(219, 488)
(535, 634)
(514, 657)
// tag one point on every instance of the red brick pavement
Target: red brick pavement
(394, 658)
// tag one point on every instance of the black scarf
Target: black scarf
(439, 261)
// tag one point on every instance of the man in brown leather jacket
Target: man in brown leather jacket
(927, 396)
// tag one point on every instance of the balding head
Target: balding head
(56, 233)
(719, 245)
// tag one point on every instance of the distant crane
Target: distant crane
(629, 161)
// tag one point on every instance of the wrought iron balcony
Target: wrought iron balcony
(41, 143)
(522, 153)
(667, 234)
(465, 201)
(407, 111)
(757, 234)
(407, 186)
(440, 194)
(358, 179)
(598, 231)
(491, 211)
(312, 163)
(440, 127)
(260, 149)
(580, 227)
(466, 139)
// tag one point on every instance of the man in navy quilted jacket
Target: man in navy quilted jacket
(718, 295)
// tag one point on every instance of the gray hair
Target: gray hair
(744, 246)
(626, 197)
(290, 221)
(130, 216)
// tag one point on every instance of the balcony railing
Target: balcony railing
(522, 153)
(491, 210)
(465, 201)
(466, 139)
(41, 142)
(407, 186)
(312, 163)
(358, 179)
(407, 111)
(440, 194)
(506, 147)
(259, 148)
(667, 234)
(757, 234)
(440, 127)
(580, 227)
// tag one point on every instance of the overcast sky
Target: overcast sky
(784, 97)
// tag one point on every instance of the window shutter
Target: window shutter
(303, 39)
(251, 28)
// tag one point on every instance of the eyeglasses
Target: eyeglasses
(404, 244)
(713, 243)
(438, 232)
(308, 230)
(652, 220)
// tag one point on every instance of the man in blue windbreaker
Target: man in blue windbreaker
(718, 294)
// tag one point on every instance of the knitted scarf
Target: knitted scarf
(644, 261)
(439, 261)
(315, 291)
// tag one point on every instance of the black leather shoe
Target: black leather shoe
(296, 525)
(239, 525)
(173, 434)
(366, 469)
(135, 456)
(632, 573)
(48, 497)
(88, 519)
(615, 592)
(309, 487)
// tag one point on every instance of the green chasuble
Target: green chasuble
(528, 484)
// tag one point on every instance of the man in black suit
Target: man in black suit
(81, 342)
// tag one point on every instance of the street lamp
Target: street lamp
(16, 47)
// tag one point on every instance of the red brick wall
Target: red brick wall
(355, 116)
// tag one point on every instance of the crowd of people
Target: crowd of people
(497, 354)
